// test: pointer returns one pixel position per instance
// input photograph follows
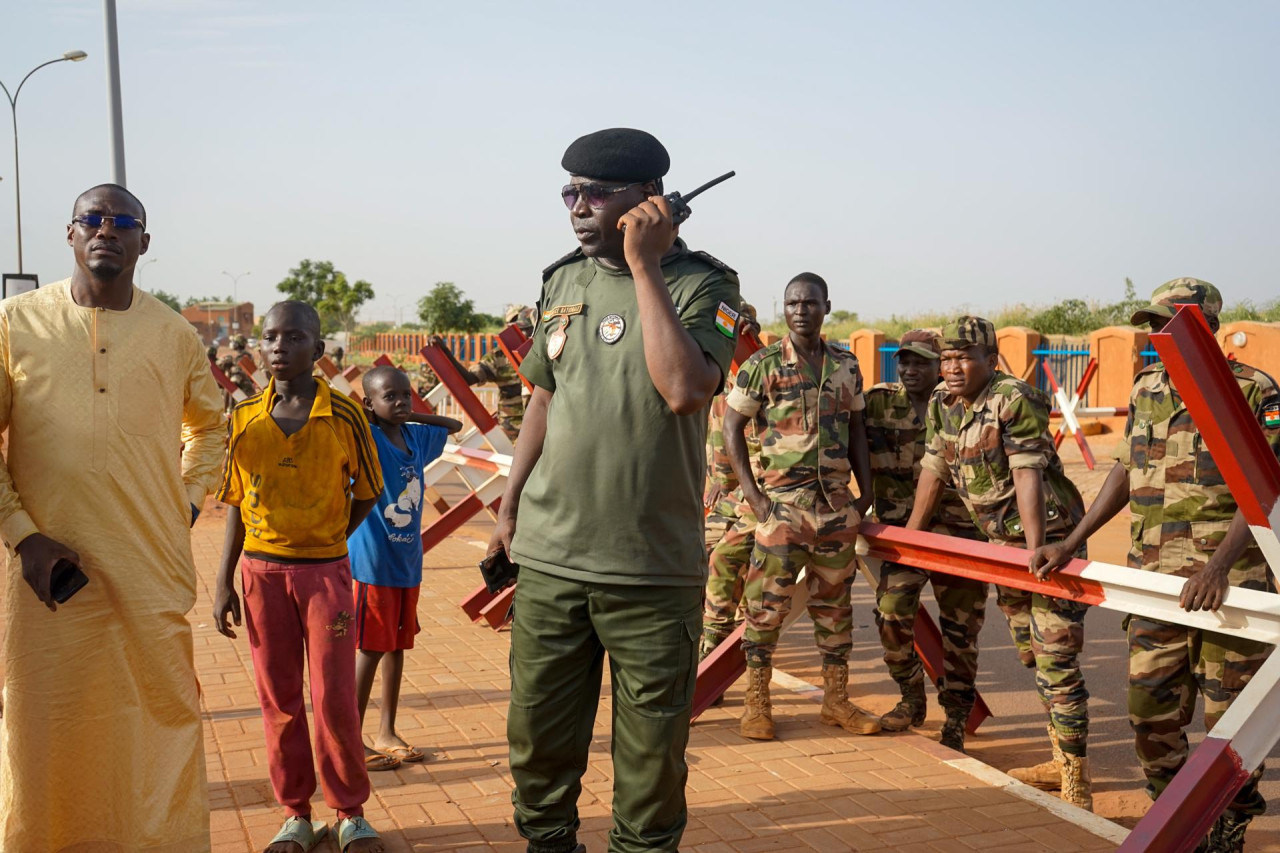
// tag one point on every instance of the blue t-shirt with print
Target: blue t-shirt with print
(386, 549)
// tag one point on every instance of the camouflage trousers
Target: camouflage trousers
(821, 541)
(510, 415)
(1168, 665)
(727, 576)
(1049, 635)
(962, 607)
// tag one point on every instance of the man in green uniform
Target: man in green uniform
(730, 527)
(1185, 523)
(988, 435)
(498, 369)
(896, 414)
(808, 393)
(603, 508)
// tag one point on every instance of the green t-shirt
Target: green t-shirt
(616, 496)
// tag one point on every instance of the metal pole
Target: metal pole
(115, 113)
(17, 181)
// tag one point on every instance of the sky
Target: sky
(919, 156)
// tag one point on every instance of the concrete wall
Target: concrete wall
(1016, 344)
(865, 344)
(1118, 350)
(1255, 344)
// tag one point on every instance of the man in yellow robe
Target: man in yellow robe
(115, 436)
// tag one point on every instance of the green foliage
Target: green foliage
(841, 316)
(445, 309)
(1267, 312)
(168, 299)
(329, 291)
(200, 300)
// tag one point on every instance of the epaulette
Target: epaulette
(714, 261)
(572, 256)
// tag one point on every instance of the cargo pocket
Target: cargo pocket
(690, 628)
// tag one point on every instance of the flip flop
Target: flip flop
(407, 754)
(380, 761)
(305, 833)
(353, 829)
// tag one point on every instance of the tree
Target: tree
(197, 300)
(445, 309)
(168, 299)
(326, 289)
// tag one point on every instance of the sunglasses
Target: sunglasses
(595, 194)
(123, 221)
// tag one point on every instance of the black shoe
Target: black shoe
(953, 730)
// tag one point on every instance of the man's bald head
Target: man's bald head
(139, 210)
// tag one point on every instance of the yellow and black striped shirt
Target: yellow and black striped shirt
(294, 492)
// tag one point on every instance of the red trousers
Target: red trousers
(295, 613)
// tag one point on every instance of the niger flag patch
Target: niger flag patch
(1271, 415)
(727, 322)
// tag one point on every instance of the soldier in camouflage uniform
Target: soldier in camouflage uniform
(496, 368)
(809, 394)
(730, 526)
(896, 414)
(988, 434)
(1185, 523)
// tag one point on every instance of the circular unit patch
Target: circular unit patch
(611, 328)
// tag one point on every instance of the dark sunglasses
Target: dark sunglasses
(595, 194)
(123, 221)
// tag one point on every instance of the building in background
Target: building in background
(219, 322)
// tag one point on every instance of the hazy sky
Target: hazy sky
(918, 155)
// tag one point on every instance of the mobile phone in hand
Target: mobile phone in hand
(66, 581)
(498, 571)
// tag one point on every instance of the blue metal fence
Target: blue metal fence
(1068, 366)
(1149, 357)
(889, 362)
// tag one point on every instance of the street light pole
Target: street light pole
(69, 56)
(115, 113)
(141, 266)
(235, 285)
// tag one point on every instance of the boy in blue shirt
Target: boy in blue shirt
(386, 552)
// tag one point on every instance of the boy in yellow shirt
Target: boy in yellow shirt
(302, 469)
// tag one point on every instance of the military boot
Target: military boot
(1046, 776)
(1077, 789)
(910, 710)
(757, 711)
(837, 710)
(1227, 834)
(953, 730)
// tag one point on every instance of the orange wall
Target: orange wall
(1254, 344)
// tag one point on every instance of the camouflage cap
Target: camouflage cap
(922, 342)
(967, 331)
(515, 312)
(1181, 291)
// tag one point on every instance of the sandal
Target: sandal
(407, 754)
(302, 832)
(353, 829)
(376, 761)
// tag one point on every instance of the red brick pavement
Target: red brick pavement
(814, 788)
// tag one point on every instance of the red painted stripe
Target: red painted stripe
(719, 670)
(514, 345)
(458, 515)
(496, 612)
(475, 602)
(1201, 375)
(462, 393)
(1203, 788)
(985, 561)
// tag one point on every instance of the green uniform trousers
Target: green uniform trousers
(562, 631)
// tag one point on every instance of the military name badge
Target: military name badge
(611, 328)
(557, 338)
(726, 320)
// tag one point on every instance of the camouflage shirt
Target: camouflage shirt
(897, 441)
(719, 471)
(1181, 507)
(804, 446)
(496, 368)
(975, 448)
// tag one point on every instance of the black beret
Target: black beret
(617, 154)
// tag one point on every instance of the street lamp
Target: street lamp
(69, 56)
(141, 266)
(235, 284)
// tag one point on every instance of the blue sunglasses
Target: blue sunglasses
(122, 221)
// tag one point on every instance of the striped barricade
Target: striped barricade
(1067, 408)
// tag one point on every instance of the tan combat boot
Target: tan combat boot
(910, 711)
(1048, 775)
(837, 710)
(757, 713)
(1076, 786)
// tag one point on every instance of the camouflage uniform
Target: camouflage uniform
(805, 473)
(495, 368)
(897, 442)
(1181, 509)
(976, 448)
(730, 529)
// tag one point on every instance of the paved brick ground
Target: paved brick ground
(811, 789)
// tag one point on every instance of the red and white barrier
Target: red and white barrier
(1067, 408)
